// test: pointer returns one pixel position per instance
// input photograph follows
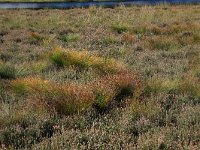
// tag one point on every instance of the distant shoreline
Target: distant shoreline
(62, 5)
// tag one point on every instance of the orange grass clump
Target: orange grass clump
(64, 99)
(70, 98)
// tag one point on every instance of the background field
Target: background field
(159, 47)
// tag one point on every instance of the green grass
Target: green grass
(100, 78)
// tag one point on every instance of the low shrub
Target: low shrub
(19, 138)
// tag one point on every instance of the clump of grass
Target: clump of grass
(108, 40)
(64, 99)
(70, 98)
(190, 86)
(7, 71)
(39, 67)
(128, 38)
(139, 30)
(162, 44)
(29, 85)
(184, 86)
(103, 94)
(70, 37)
(188, 38)
(84, 59)
(120, 28)
(126, 84)
(115, 87)
(36, 38)
(156, 30)
(159, 85)
(182, 27)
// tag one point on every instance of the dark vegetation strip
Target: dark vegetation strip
(61, 5)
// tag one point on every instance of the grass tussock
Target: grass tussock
(159, 43)
(7, 71)
(64, 99)
(36, 38)
(128, 38)
(183, 86)
(70, 37)
(84, 59)
(120, 28)
(72, 98)
(115, 87)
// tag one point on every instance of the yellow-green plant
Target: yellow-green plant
(84, 59)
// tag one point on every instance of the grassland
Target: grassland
(122, 78)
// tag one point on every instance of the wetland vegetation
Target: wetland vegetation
(100, 78)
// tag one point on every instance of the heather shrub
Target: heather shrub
(28, 132)
(19, 138)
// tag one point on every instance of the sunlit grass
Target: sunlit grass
(84, 59)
